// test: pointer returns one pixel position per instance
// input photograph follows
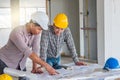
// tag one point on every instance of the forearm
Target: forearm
(34, 65)
(37, 60)
(75, 59)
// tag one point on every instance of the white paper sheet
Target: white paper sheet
(88, 72)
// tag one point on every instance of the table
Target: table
(89, 72)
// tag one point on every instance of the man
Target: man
(53, 39)
(23, 43)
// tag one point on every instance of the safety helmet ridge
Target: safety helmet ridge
(61, 20)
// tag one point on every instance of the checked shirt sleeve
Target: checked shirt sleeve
(70, 44)
(44, 45)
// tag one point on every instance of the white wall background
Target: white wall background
(112, 28)
(108, 29)
(4, 3)
(4, 35)
(4, 32)
(32, 3)
(24, 3)
(100, 31)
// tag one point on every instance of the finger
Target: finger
(39, 72)
(57, 72)
(54, 73)
(33, 71)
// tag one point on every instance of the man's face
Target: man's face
(58, 31)
(36, 29)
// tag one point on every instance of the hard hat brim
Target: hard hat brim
(44, 26)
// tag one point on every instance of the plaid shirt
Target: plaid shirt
(51, 44)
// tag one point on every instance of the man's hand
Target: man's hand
(80, 63)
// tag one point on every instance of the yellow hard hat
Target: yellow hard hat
(61, 21)
(5, 77)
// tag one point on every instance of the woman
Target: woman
(23, 43)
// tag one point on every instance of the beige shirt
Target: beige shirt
(20, 45)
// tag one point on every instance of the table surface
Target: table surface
(89, 72)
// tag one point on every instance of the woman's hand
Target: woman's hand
(37, 70)
(39, 61)
(51, 70)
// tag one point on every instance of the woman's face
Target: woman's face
(36, 29)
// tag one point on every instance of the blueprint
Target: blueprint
(89, 72)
